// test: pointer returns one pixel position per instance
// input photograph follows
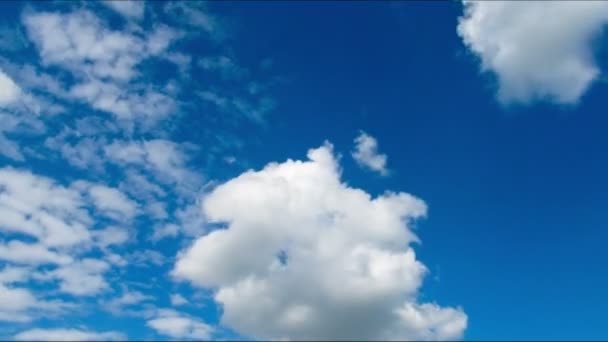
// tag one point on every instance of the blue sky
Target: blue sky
(324, 170)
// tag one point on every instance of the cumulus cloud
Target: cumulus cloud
(68, 335)
(178, 325)
(538, 50)
(304, 256)
(366, 154)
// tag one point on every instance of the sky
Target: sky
(303, 170)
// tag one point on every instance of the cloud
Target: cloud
(9, 94)
(110, 236)
(9, 91)
(11, 274)
(30, 254)
(224, 65)
(20, 305)
(177, 325)
(113, 202)
(68, 335)
(14, 302)
(129, 299)
(61, 219)
(537, 50)
(92, 120)
(196, 15)
(128, 8)
(54, 214)
(146, 258)
(294, 223)
(85, 44)
(36, 206)
(177, 300)
(166, 160)
(366, 154)
(81, 278)
(102, 62)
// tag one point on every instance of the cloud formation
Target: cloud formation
(538, 50)
(304, 256)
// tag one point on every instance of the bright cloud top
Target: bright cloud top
(538, 50)
(304, 256)
(366, 154)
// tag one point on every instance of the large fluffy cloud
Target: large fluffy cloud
(538, 50)
(304, 256)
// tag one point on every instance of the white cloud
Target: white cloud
(81, 278)
(113, 202)
(83, 154)
(68, 335)
(148, 107)
(366, 154)
(11, 274)
(73, 39)
(110, 236)
(165, 231)
(14, 302)
(177, 325)
(9, 91)
(10, 148)
(103, 61)
(58, 218)
(31, 254)
(20, 305)
(119, 306)
(164, 159)
(296, 222)
(38, 207)
(128, 8)
(538, 50)
(177, 300)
